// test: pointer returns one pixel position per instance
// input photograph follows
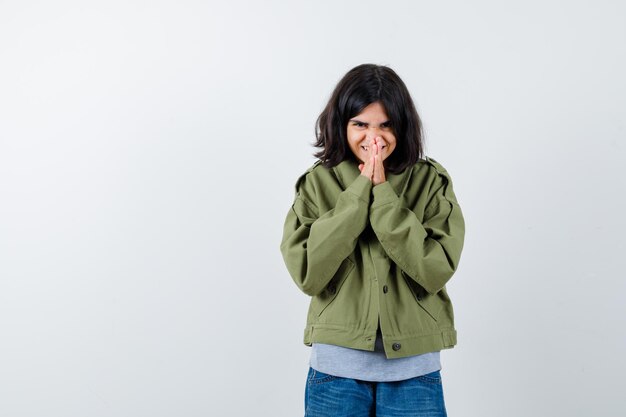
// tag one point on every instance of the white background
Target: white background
(148, 153)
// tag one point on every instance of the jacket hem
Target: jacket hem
(364, 339)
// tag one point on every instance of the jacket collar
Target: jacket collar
(348, 169)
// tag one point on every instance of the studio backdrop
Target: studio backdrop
(148, 157)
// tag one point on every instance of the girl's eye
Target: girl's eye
(385, 125)
(359, 124)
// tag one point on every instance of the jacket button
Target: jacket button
(396, 346)
(331, 289)
(385, 289)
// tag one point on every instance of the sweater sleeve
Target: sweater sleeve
(427, 252)
(313, 247)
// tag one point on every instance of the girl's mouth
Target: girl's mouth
(366, 148)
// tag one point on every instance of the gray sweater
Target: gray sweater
(371, 366)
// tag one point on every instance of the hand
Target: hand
(373, 167)
(379, 169)
(367, 168)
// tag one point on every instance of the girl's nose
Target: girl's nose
(371, 134)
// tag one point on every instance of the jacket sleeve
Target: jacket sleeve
(313, 247)
(428, 252)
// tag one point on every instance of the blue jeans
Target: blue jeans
(334, 396)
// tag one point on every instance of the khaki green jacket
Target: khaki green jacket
(369, 253)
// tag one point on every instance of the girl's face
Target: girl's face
(371, 123)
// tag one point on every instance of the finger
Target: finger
(367, 168)
(375, 170)
(371, 164)
(379, 170)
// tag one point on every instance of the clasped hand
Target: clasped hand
(372, 167)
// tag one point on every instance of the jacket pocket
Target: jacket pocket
(322, 300)
(429, 303)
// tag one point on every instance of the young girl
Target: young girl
(373, 235)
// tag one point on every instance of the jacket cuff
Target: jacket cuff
(361, 187)
(383, 194)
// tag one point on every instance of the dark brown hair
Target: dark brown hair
(360, 87)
